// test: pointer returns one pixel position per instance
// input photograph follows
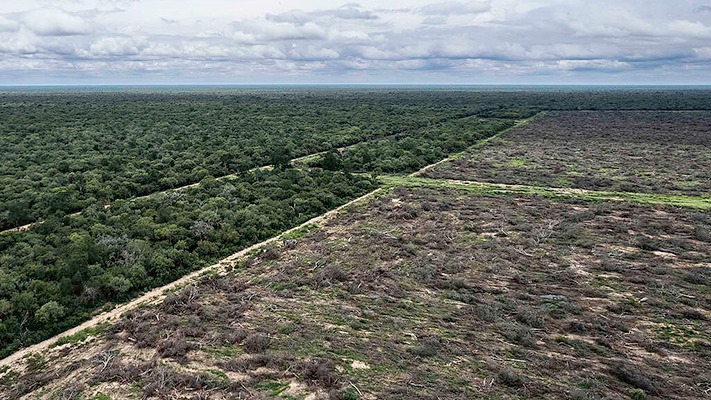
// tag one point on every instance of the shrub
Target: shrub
(531, 317)
(319, 371)
(174, 347)
(256, 343)
(518, 334)
(487, 313)
(509, 377)
(637, 394)
(427, 348)
(633, 377)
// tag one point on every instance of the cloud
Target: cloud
(690, 29)
(54, 22)
(455, 7)
(21, 42)
(117, 46)
(263, 40)
(266, 31)
(8, 25)
(350, 11)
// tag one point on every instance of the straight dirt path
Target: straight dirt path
(518, 124)
(232, 176)
(159, 293)
(696, 202)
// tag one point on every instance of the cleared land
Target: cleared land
(425, 293)
(578, 267)
(629, 151)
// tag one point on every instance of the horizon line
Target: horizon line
(3, 85)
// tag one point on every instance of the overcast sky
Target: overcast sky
(371, 41)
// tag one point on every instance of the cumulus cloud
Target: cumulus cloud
(497, 40)
(8, 25)
(350, 11)
(266, 31)
(456, 7)
(54, 22)
(117, 46)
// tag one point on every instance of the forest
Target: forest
(66, 150)
(78, 151)
(411, 151)
(53, 276)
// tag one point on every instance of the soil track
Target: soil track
(159, 293)
(518, 124)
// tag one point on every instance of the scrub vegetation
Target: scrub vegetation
(629, 151)
(426, 293)
(56, 275)
(561, 251)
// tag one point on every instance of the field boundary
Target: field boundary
(517, 124)
(304, 158)
(695, 202)
(159, 293)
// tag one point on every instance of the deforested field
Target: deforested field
(628, 151)
(426, 293)
(509, 244)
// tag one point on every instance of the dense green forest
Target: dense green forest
(414, 150)
(63, 152)
(53, 276)
(66, 151)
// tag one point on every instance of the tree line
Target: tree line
(55, 275)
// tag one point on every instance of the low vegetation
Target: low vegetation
(426, 293)
(650, 152)
(564, 254)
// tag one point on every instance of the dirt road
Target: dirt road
(158, 294)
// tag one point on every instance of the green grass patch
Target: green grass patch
(225, 351)
(273, 387)
(81, 335)
(678, 334)
(516, 162)
(299, 233)
(688, 184)
(484, 188)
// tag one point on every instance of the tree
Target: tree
(280, 158)
(331, 161)
(50, 312)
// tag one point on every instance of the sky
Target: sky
(364, 42)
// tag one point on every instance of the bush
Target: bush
(518, 334)
(509, 377)
(428, 348)
(319, 371)
(633, 377)
(256, 343)
(174, 347)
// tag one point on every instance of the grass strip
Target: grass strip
(483, 188)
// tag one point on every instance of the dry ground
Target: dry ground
(424, 294)
(630, 151)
